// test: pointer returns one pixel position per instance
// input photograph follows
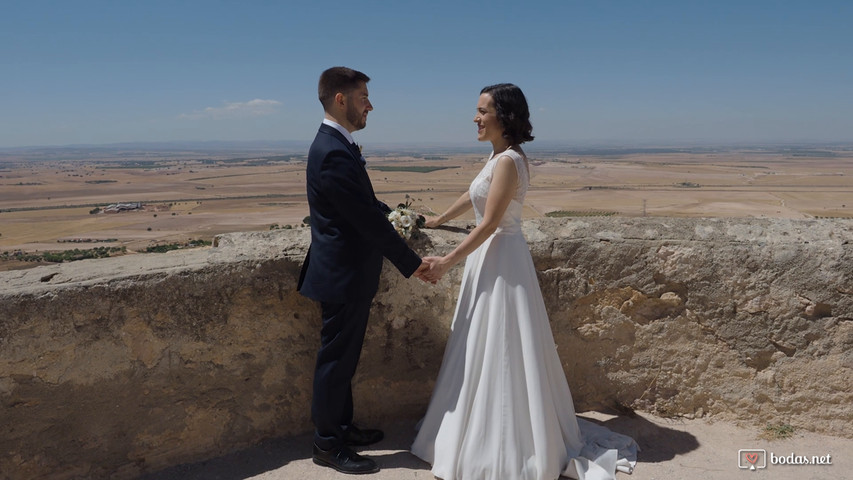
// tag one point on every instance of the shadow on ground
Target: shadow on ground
(273, 454)
(266, 456)
(657, 443)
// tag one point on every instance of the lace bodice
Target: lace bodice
(479, 191)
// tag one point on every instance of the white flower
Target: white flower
(404, 220)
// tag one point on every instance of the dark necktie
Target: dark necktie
(358, 149)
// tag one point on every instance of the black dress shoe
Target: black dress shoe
(356, 437)
(344, 460)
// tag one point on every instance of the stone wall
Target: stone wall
(121, 366)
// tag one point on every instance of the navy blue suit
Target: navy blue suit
(350, 234)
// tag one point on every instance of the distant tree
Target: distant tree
(307, 220)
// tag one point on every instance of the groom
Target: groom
(350, 233)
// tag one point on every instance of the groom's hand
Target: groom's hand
(422, 270)
(438, 266)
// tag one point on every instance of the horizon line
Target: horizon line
(600, 143)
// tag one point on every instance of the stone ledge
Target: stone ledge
(120, 366)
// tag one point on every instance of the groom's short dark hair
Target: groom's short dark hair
(338, 80)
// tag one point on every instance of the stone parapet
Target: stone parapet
(115, 367)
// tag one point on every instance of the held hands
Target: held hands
(432, 269)
(438, 266)
(419, 273)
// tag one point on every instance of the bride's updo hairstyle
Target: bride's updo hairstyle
(512, 110)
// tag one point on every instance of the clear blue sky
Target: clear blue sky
(97, 72)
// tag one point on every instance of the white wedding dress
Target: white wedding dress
(501, 408)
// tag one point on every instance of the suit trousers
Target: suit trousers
(341, 339)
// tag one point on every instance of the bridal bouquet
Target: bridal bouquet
(405, 220)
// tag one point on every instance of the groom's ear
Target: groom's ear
(340, 100)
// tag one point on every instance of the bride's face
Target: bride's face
(489, 128)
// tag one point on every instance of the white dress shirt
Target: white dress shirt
(339, 128)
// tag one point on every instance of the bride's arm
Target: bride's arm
(501, 192)
(460, 206)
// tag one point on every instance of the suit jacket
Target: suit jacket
(350, 231)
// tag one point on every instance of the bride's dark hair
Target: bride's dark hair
(513, 113)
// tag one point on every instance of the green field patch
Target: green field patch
(579, 213)
(163, 248)
(63, 256)
(415, 169)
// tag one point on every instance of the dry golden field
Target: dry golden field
(47, 204)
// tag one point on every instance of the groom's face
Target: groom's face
(357, 107)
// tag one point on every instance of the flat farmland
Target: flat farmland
(55, 204)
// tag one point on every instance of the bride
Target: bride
(501, 408)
